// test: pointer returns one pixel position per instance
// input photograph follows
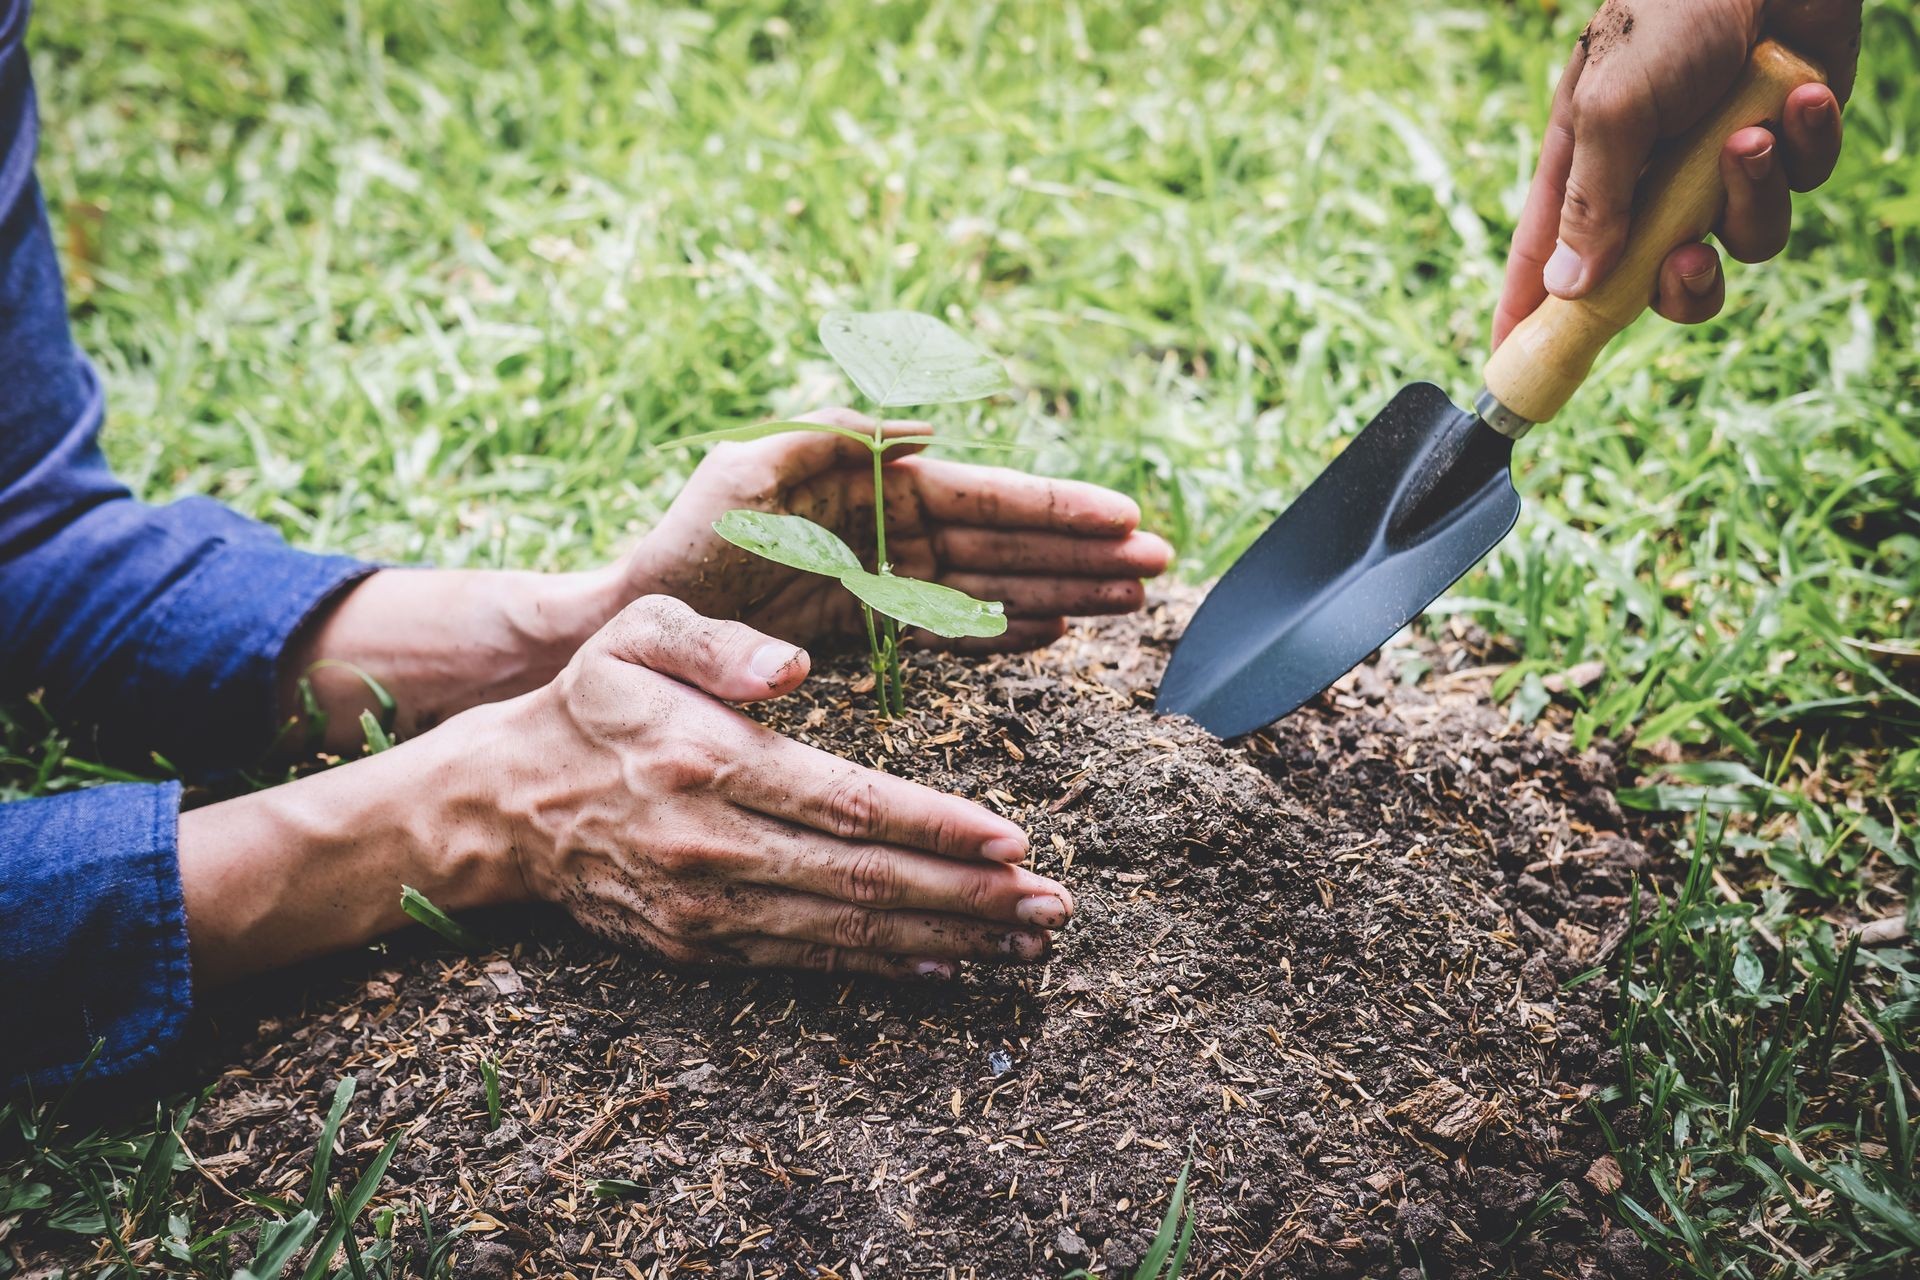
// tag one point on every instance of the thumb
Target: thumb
(729, 660)
(1613, 134)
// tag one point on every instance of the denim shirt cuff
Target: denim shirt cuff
(95, 936)
(263, 592)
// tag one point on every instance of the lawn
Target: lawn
(435, 282)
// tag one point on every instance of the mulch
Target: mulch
(1328, 964)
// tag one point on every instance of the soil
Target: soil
(1327, 963)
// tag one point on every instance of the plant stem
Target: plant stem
(888, 689)
(879, 500)
(876, 660)
(895, 682)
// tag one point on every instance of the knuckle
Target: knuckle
(860, 929)
(691, 916)
(1597, 104)
(648, 613)
(686, 763)
(1583, 209)
(680, 858)
(851, 807)
(979, 895)
(870, 877)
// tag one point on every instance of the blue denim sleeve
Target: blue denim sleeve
(162, 625)
(93, 936)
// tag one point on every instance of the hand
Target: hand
(1644, 72)
(658, 815)
(1047, 548)
(662, 818)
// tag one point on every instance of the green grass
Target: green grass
(431, 282)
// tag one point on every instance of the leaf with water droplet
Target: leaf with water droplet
(794, 541)
(928, 605)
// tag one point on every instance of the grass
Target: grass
(431, 282)
(136, 1192)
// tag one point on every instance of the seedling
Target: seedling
(421, 910)
(897, 359)
(490, 1077)
(1166, 1257)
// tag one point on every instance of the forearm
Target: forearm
(316, 865)
(438, 641)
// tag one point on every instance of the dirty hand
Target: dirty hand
(1047, 548)
(661, 817)
(1647, 70)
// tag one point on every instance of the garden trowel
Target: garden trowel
(1425, 490)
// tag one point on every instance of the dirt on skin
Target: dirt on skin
(1612, 26)
(1326, 962)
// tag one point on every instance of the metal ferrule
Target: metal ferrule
(1499, 417)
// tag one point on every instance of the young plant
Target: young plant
(897, 359)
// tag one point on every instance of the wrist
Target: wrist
(316, 865)
(550, 615)
(447, 787)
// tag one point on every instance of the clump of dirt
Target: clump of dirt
(1326, 962)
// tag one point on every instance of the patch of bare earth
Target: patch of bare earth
(1326, 962)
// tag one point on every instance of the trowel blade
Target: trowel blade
(1413, 502)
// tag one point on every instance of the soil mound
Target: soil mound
(1327, 962)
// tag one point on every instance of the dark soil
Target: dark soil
(1326, 961)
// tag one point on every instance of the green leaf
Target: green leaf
(904, 358)
(794, 541)
(1164, 1239)
(1746, 969)
(378, 739)
(761, 430)
(278, 1244)
(421, 909)
(618, 1188)
(323, 1150)
(927, 605)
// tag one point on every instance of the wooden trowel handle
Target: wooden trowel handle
(1546, 358)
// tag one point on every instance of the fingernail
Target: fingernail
(932, 969)
(1028, 946)
(771, 660)
(1562, 271)
(1042, 909)
(1759, 164)
(1821, 112)
(1005, 848)
(1700, 283)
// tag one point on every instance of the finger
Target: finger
(1614, 129)
(1021, 635)
(1691, 288)
(727, 659)
(888, 878)
(808, 786)
(1759, 209)
(785, 953)
(1811, 130)
(1535, 235)
(999, 497)
(1824, 32)
(1042, 597)
(1137, 555)
(846, 927)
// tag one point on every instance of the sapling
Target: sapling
(897, 359)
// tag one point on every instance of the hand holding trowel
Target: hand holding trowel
(1424, 491)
